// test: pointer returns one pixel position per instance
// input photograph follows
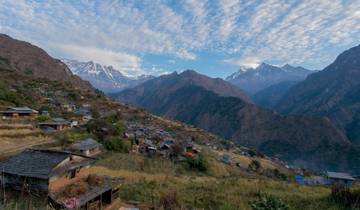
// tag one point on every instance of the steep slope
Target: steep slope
(270, 96)
(163, 85)
(333, 92)
(253, 80)
(104, 78)
(30, 60)
(309, 141)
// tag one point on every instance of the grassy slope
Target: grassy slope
(148, 180)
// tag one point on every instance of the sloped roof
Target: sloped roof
(85, 144)
(34, 163)
(94, 191)
(55, 121)
(338, 175)
(24, 110)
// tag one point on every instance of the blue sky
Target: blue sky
(214, 37)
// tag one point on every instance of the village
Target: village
(62, 173)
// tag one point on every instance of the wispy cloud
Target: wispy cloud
(119, 33)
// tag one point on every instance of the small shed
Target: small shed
(34, 169)
(55, 123)
(88, 147)
(337, 178)
(93, 192)
(14, 112)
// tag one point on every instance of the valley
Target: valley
(204, 145)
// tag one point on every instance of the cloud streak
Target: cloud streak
(119, 33)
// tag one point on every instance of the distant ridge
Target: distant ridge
(253, 80)
(333, 92)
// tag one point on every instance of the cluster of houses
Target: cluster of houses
(155, 141)
(81, 116)
(62, 175)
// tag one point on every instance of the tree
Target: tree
(198, 163)
(117, 144)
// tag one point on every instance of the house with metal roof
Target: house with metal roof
(55, 123)
(337, 178)
(15, 112)
(88, 147)
(34, 170)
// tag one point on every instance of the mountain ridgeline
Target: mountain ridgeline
(303, 140)
(27, 59)
(333, 92)
(253, 80)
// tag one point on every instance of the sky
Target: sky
(213, 37)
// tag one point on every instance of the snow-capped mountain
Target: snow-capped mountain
(252, 80)
(104, 78)
(241, 71)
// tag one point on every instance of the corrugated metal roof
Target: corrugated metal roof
(85, 144)
(23, 110)
(338, 175)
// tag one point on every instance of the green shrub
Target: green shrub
(255, 165)
(117, 144)
(42, 118)
(198, 163)
(268, 202)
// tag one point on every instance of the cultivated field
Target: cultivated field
(16, 137)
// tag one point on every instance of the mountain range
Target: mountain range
(304, 140)
(333, 92)
(253, 80)
(304, 136)
(160, 87)
(105, 78)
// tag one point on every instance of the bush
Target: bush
(254, 153)
(42, 118)
(255, 165)
(268, 202)
(170, 201)
(117, 144)
(344, 196)
(199, 163)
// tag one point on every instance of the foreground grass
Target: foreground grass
(213, 193)
(149, 181)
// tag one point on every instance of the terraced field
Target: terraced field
(15, 137)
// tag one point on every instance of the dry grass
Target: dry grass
(18, 132)
(16, 126)
(205, 192)
(15, 137)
